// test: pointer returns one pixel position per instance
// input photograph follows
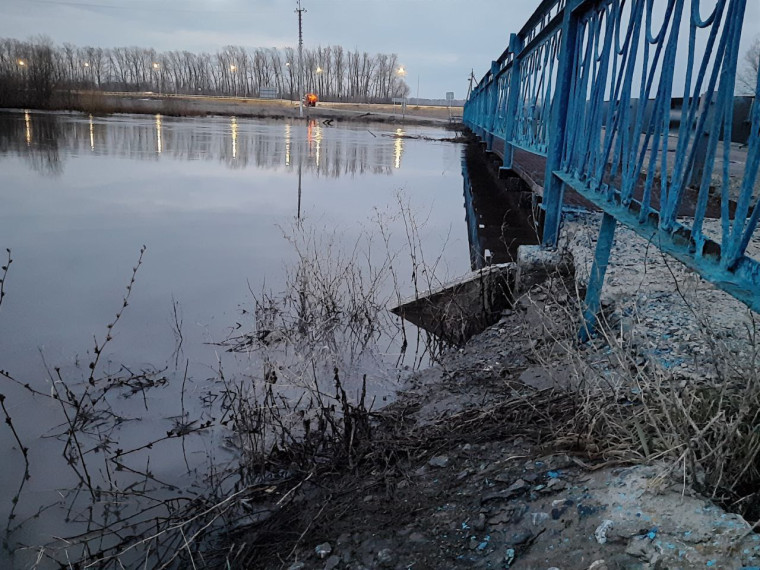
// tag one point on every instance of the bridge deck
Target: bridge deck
(532, 169)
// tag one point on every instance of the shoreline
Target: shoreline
(147, 103)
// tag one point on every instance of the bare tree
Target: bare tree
(331, 72)
(747, 76)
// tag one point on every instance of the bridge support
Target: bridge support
(592, 303)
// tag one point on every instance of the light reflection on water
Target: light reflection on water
(210, 198)
(52, 139)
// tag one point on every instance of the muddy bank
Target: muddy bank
(485, 461)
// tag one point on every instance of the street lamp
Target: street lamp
(86, 65)
(401, 71)
(155, 68)
(234, 83)
(290, 77)
(21, 62)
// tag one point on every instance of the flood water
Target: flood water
(211, 199)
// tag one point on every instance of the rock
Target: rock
(323, 550)
(539, 518)
(554, 486)
(518, 538)
(517, 488)
(297, 566)
(501, 518)
(538, 378)
(417, 537)
(560, 507)
(601, 531)
(386, 558)
(598, 565)
(641, 549)
(519, 511)
(439, 461)
(332, 562)
(480, 523)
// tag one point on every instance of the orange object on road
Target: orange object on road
(311, 100)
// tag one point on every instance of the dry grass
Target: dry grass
(632, 407)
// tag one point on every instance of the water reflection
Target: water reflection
(215, 237)
(498, 213)
(92, 135)
(28, 124)
(398, 148)
(159, 143)
(37, 141)
(324, 150)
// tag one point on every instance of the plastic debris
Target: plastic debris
(601, 531)
(510, 557)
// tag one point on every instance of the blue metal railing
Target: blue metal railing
(588, 85)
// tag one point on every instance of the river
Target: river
(216, 202)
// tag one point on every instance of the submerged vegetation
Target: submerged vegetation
(321, 348)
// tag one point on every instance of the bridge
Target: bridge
(582, 102)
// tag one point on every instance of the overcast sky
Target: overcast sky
(438, 41)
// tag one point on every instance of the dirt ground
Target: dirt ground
(474, 467)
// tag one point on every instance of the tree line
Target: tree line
(32, 71)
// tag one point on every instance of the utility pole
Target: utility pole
(300, 12)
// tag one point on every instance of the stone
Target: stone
(297, 566)
(463, 474)
(480, 522)
(332, 562)
(323, 550)
(539, 518)
(386, 558)
(518, 538)
(439, 461)
(501, 518)
(554, 485)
